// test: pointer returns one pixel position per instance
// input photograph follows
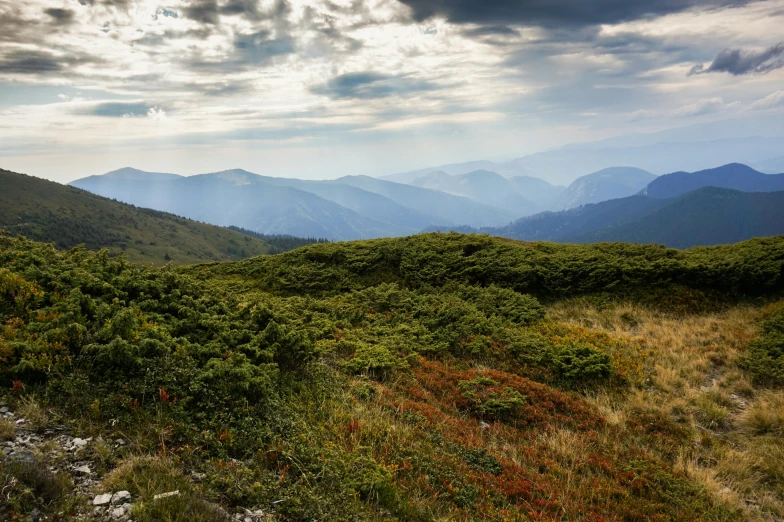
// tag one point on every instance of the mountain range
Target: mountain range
(722, 205)
(353, 207)
(618, 203)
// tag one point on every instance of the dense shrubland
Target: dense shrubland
(414, 379)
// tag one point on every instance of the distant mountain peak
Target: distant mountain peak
(132, 173)
(736, 176)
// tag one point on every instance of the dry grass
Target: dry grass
(737, 445)
(146, 477)
(765, 416)
(7, 429)
(36, 417)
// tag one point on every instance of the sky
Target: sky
(324, 88)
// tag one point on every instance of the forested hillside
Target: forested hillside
(434, 377)
(66, 216)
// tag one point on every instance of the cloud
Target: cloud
(770, 101)
(120, 109)
(259, 47)
(29, 62)
(203, 11)
(737, 61)
(554, 13)
(370, 85)
(60, 16)
(248, 51)
(491, 30)
(706, 106)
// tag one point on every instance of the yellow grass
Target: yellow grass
(737, 447)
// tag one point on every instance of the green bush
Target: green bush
(487, 399)
(578, 364)
(765, 356)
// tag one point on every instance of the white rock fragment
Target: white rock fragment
(121, 497)
(102, 500)
(83, 469)
(174, 493)
(118, 512)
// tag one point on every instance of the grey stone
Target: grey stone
(102, 500)
(83, 469)
(118, 512)
(35, 515)
(23, 457)
(121, 497)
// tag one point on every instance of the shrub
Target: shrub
(578, 364)
(374, 359)
(765, 356)
(487, 398)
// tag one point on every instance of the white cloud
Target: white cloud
(770, 101)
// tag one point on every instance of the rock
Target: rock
(83, 469)
(20, 421)
(23, 457)
(118, 512)
(120, 442)
(35, 515)
(98, 511)
(174, 493)
(121, 497)
(102, 500)
(4, 409)
(78, 443)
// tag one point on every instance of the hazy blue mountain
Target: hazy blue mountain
(733, 176)
(577, 222)
(770, 166)
(452, 169)
(363, 202)
(562, 166)
(448, 208)
(707, 216)
(486, 187)
(606, 184)
(243, 199)
(129, 173)
(538, 190)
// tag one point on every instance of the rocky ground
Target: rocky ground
(84, 462)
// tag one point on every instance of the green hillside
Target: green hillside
(434, 377)
(67, 216)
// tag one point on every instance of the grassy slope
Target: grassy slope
(66, 216)
(427, 398)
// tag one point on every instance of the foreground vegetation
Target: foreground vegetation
(438, 377)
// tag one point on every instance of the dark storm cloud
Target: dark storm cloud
(203, 11)
(555, 13)
(370, 85)
(737, 61)
(210, 11)
(491, 30)
(29, 62)
(60, 16)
